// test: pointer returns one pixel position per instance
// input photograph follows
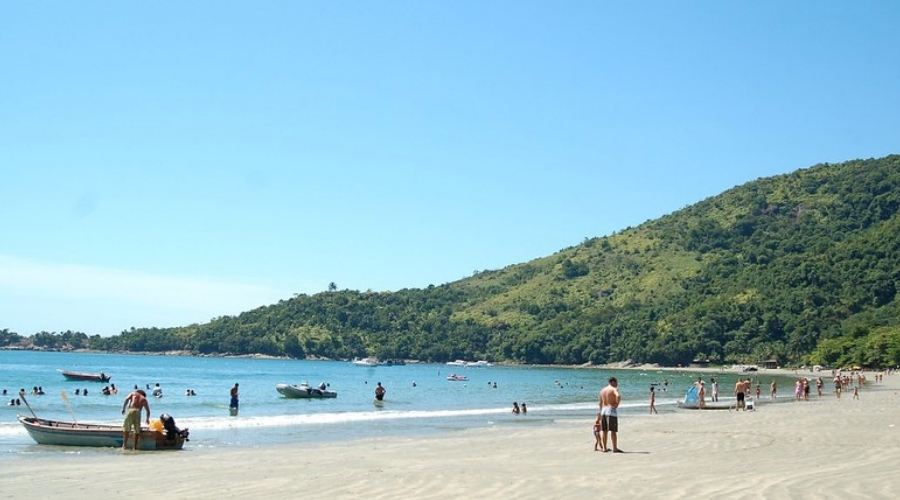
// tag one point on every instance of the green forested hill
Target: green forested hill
(802, 267)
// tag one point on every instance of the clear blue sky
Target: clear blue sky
(166, 162)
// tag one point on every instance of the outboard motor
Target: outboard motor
(171, 429)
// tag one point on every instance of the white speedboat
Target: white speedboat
(457, 378)
(366, 362)
(478, 364)
(304, 391)
(458, 362)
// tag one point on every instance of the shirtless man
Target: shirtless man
(134, 402)
(609, 414)
(739, 394)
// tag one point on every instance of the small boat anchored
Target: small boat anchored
(304, 391)
(85, 376)
(457, 378)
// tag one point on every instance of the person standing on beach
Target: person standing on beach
(598, 446)
(739, 394)
(774, 389)
(134, 403)
(715, 391)
(702, 395)
(653, 400)
(233, 405)
(609, 411)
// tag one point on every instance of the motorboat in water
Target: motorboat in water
(59, 433)
(458, 362)
(457, 378)
(375, 362)
(85, 376)
(304, 391)
(478, 364)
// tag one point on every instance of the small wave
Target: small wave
(221, 423)
(11, 430)
(332, 418)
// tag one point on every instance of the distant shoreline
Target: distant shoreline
(620, 365)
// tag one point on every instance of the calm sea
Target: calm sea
(419, 399)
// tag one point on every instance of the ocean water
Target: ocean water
(419, 400)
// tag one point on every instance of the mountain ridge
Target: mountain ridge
(803, 267)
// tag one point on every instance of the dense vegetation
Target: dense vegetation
(801, 267)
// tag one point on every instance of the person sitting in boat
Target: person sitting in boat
(323, 386)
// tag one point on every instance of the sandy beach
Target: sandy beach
(824, 448)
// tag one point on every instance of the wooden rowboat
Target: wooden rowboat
(89, 377)
(55, 432)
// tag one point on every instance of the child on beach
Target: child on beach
(597, 445)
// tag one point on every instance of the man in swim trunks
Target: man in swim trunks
(233, 404)
(739, 394)
(609, 414)
(134, 403)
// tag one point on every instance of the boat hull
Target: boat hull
(722, 405)
(86, 377)
(58, 433)
(301, 392)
